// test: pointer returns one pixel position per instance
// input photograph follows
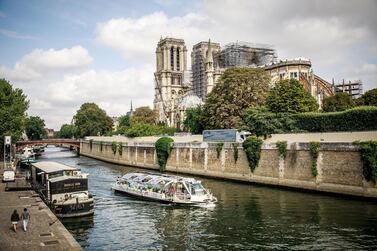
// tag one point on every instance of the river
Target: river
(246, 217)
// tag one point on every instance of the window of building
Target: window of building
(172, 58)
(178, 68)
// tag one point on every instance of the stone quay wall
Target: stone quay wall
(339, 165)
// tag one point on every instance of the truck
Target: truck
(225, 135)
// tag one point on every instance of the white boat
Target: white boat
(165, 189)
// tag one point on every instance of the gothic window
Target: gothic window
(178, 68)
(172, 58)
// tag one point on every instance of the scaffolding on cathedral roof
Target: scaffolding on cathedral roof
(246, 54)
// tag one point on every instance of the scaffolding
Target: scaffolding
(353, 88)
(243, 54)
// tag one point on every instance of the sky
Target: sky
(64, 53)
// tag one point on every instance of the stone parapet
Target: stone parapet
(339, 165)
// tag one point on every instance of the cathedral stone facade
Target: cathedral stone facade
(171, 78)
(177, 89)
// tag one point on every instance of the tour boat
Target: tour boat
(165, 189)
(63, 188)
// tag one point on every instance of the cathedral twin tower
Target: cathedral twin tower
(173, 82)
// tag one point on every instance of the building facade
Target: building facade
(175, 85)
(301, 70)
(172, 80)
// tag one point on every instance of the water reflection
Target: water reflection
(247, 217)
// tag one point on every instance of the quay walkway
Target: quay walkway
(45, 231)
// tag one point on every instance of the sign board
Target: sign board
(7, 140)
(225, 135)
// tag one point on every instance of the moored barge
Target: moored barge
(63, 188)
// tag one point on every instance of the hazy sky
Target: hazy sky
(63, 53)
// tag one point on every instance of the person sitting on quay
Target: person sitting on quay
(14, 219)
(25, 216)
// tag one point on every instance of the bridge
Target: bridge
(71, 143)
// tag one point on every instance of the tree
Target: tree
(144, 115)
(193, 119)
(370, 97)
(261, 122)
(236, 90)
(35, 128)
(92, 120)
(339, 102)
(290, 96)
(67, 131)
(124, 120)
(13, 106)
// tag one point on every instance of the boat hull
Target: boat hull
(159, 200)
(73, 209)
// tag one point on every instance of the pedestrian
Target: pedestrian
(25, 216)
(14, 219)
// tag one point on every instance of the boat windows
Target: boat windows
(197, 189)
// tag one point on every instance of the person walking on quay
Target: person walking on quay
(25, 216)
(14, 219)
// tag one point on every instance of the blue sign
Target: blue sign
(226, 135)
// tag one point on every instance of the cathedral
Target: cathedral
(177, 88)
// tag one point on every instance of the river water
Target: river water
(247, 217)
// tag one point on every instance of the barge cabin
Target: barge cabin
(63, 188)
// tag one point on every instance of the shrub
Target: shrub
(314, 152)
(235, 152)
(252, 146)
(219, 147)
(114, 146)
(368, 152)
(282, 147)
(357, 119)
(120, 148)
(140, 130)
(163, 149)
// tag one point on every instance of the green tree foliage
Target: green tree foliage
(143, 115)
(67, 131)
(358, 102)
(290, 96)
(34, 128)
(339, 102)
(236, 90)
(261, 122)
(163, 149)
(124, 120)
(370, 97)
(252, 147)
(362, 118)
(140, 130)
(193, 121)
(90, 120)
(368, 153)
(13, 106)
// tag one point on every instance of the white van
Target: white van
(8, 176)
